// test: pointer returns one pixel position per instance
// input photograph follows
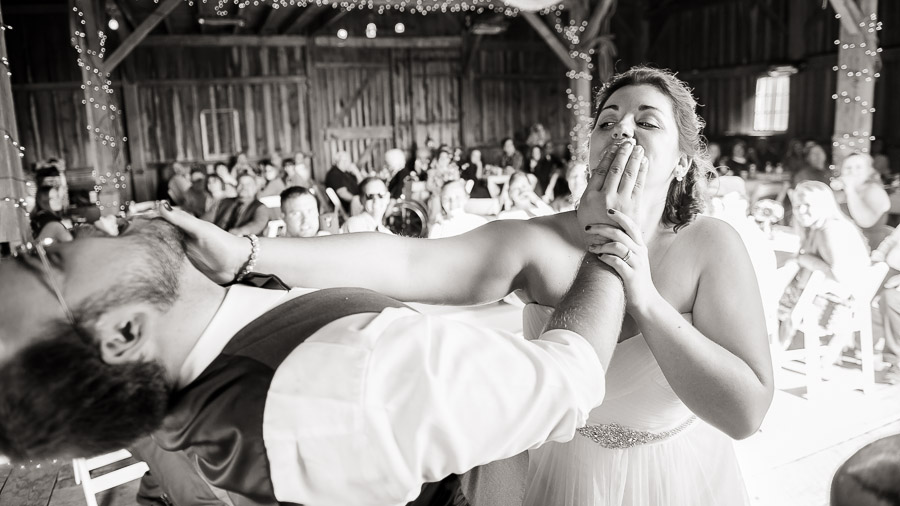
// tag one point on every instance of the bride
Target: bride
(692, 370)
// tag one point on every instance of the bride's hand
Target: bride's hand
(617, 182)
(622, 248)
(216, 253)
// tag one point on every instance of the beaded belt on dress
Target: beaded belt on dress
(616, 437)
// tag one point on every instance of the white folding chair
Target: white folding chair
(274, 227)
(864, 290)
(272, 201)
(94, 485)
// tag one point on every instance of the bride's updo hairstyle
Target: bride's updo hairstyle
(686, 198)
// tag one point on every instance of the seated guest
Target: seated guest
(46, 222)
(244, 214)
(815, 166)
(512, 160)
(301, 175)
(179, 184)
(442, 171)
(889, 252)
(274, 179)
(715, 154)
(862, 196)
(870, 477)
(195, 199)
(228, 179)
(416, 171)
(576, 179)
(523, 203)
(829, 243)
(454, 219)
(547, 173)
(240, 163)
(394, 162)
(737, 163)
(300, 212)
(343, 178)
(375, 199)
(215, 191)
(474, 170)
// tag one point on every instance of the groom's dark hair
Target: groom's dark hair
(60, 399)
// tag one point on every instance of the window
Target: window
(219, 132)
(770, 113)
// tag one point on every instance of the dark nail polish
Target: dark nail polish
(167, 206)
(611, 211)
(588, 227)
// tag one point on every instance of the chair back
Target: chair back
(867, 285)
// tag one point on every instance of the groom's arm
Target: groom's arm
(593, 307)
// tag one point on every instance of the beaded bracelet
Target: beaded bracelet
(251, 262)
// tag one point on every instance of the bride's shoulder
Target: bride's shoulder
(709, 238)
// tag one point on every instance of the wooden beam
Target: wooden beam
(125, 9)
(849, 21)
(105, 158)
(853, 119)
(273, 19)
(332, 18)
(550, 38)
(13, 227)
(593, 27)
(223, 40)
(305, 19)
(139, 34)
(470, 57)
(453, 41)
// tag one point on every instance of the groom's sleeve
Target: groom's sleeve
(463, 395)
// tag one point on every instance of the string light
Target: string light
(106, 126)
(32, 465)
(859, 140)
(578, 104)
(423, 7)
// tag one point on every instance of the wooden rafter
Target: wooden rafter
(272, 21)
(850, 14)
(597, 17)
(305, 19)
(333, 17)
(550, 38)
(473, 50)
(139, 34)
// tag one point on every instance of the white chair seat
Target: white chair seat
(94, 485)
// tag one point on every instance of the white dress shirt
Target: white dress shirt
(373, 405)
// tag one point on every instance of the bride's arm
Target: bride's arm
(720, 366)
(483, 265)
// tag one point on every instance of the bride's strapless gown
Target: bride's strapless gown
(657, 453)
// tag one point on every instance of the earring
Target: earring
(679, 173)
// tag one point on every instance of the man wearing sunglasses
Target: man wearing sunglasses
(337, 396)
(375, 200)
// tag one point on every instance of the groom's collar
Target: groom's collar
(242, 305)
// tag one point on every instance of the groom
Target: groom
(338, 396)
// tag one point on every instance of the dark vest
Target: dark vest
(216, 421)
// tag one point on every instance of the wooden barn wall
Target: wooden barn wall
(513, 86)
(291, 98)
(47, 90)
(740, 40)
(266, 86)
